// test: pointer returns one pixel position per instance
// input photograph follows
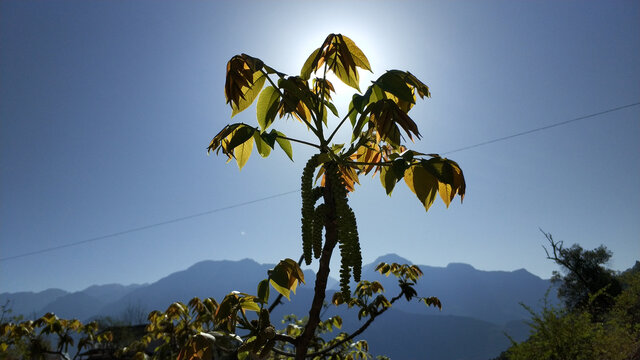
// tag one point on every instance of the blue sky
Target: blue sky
(106, 109)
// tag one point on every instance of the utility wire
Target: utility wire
(171, 221)
(541, 128)
(97, 238)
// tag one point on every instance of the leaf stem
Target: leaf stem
(299, 141)
(339, 125)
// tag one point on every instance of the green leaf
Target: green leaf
(267, 106)
(423, 184)
(332, 107)
(285, 145)
(285, 276)
(432, 301)
(393, 82)
(248, 304)
(263, 291)
(353, 114)
(250, 94)
(360, 101)
(357, 128)
(307, 68)
(239, 136)
(358, 56)
(279, 281)
(242, 152)
(350, 78)
(263, 148)
(388, 179)
(337, 321)
(270, 138)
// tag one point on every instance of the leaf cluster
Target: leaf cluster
(378, 118)
(34, 337)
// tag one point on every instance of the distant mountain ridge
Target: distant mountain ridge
(478, 306)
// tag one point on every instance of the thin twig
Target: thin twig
(299, 141)
(339, 125)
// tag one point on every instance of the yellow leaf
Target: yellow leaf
(347, 75)
(250, 93)
(423, 184)
(281, 289)
(446, 193)
(357, 54)
(242, 152)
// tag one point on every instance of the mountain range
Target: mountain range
(479, 307)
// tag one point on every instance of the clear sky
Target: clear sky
(106, 109)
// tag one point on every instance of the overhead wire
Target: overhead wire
(541, 128)
(183, 218)
(145, 227)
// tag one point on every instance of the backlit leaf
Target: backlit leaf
(432, 301)
(263, 148)
(242, 152)
(445, 192)
(267, 107)
(332, 107)
(422, 183)
(249, 304)
(250, 93)
(308, 66)
(388, 179)
(357, 54)
(263, 291)
(285, 145)
(239, 136)
(394, 83)
(285, 276)
(347, 76)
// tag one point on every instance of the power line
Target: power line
(171, 221)
(542, 128)
(175, 220)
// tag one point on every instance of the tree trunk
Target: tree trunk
(331, 239)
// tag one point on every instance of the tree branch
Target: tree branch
(357, 332)
(285, 338)
(339, 125)
(558, 258)
(283, 353)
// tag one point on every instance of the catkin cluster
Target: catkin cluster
(349, 242)
(309, 197)
(313, 222)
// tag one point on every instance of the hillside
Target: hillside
(478, 306)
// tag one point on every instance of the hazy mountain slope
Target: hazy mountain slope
(29, 303)
(492, 296)
(478, 306)
(110, 292)
(77, 305)
(401, 336)
(204, 279)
